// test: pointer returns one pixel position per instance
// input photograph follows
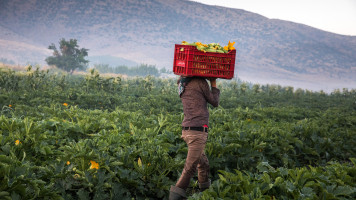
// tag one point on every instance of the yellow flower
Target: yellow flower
(17, 142)
(230, 46)
(65, 104)
(10, 105)
(68, 163)
(94, 165)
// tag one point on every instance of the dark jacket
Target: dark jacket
(195, 97)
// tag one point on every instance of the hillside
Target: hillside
(145, 31)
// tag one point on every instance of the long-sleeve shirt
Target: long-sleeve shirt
(195, 97)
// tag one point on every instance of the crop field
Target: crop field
(94, 137)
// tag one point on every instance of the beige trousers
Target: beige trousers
(196, 159)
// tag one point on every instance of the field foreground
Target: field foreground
(89, 137)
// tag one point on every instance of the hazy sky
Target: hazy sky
(337, 16)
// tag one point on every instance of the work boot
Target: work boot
(204, 186)
(176, 193)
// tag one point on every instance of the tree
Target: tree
(70, 56)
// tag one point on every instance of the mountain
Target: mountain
(145, 31)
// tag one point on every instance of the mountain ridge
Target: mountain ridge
(145, 32)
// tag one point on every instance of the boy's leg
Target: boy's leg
(196, 141)
(203, 173)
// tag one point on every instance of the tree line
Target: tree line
(141, 70)
(69, 57)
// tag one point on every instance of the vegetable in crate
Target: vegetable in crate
(212, 47)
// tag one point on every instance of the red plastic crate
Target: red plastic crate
(189, 61)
